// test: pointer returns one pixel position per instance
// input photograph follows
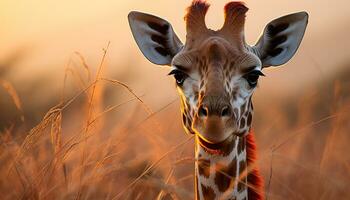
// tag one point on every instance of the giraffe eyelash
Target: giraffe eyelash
(252, 77)
(255, 72)
(175, 71)
(179, 76)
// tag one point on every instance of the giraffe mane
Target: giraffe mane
(254, 178)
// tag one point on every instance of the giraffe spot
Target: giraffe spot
(240, 186)
(234, 93)
(204, 167)
(201, 93)
(241, 133)
(208, 192)
(242, 123)
(225, 175)
(249, 119)
(234, 97)
(184, 119)
(240, 146)
(243, 108)
(246, 114)
(242, 167)
(228, 148)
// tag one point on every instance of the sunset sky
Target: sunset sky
(48, 32)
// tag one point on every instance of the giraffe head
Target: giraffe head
(216, 72)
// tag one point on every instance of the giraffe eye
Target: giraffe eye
(252, 77)
(179, 76)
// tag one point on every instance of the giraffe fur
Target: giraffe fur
(216, 74)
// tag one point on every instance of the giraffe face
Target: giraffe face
(216, 71)
(215, 81)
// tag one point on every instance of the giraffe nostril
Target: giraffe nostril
(203, 111)
(226, 111)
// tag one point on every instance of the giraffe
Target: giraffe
(216, 73)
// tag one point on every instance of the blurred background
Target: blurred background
(126, 141)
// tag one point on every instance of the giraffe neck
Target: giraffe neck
(220, 174)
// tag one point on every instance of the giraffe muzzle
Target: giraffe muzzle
(214, 121)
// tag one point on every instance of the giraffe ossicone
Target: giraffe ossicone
(216, 73)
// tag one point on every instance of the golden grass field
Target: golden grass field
(97, 126)
(86, 148)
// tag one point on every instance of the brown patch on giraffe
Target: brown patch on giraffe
(204, 167)
(228, 148)
(240, 146)
(232, 64)
(184, 119)
(241, 133)
(234, 96)
(242, 166)
(201, 93)
(243, 108)
(240, 186)
(251, 106)
(208, 192)
(225, 175)
(242, 123)
(249, 119)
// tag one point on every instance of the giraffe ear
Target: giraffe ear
(281, 39)
(155, 37)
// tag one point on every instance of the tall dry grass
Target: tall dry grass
(84, 149)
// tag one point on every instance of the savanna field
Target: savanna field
(84, 116)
